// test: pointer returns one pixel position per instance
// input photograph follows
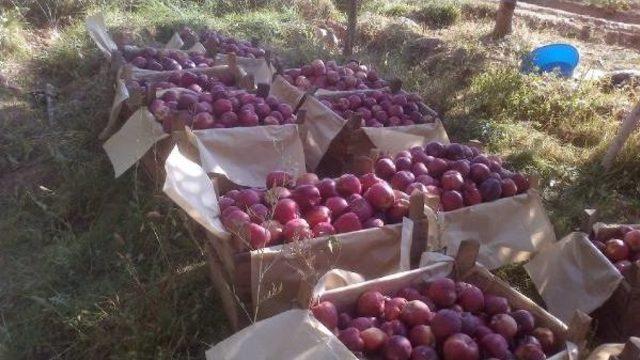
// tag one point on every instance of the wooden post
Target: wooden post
(588, 218)
(504, 18)
(629, 124)
(352, 20)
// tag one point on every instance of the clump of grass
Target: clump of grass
(381, 34)
(438, 14)
(578, 113)
(12, 35)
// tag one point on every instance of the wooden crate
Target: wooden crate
(465, 269)
(351, 142)
(619, 317)
(231, 270)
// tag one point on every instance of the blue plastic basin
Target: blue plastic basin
(563, 58)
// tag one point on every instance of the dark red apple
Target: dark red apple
(374, 339)
(424, 353)
(397, 347)
(348, 184)
(451, 180)
(393, 308)
(546, 339)
(504, 325)
(470, 297)
(347, 222)
(326, 313)
(422, 335)
(445, 323)
(460, 347)
(616, 250)
(370, 303)
(350, 337)
(443, 292)
(494, 345)
(415, 312)
(285, 211)
(632, 238)
(525, 320)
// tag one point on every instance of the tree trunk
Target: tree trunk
(504, 18)
(352, 20)
(629, 124)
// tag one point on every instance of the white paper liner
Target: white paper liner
(573, 274)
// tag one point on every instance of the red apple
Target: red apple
(326, 313)
(632, 238)
(443, 292)
(415, 312)
(460, 347)
(616, 250)
(370, 303)
(380, 196)
(397, 348)
(422, 335)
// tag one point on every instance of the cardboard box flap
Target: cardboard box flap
(399, 138)
(97, 29)
(322, 125)
(133, 140)
(175, 42)
(508, 229)
(190, 187)
(294, 334)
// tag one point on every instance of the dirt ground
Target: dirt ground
(582, 7)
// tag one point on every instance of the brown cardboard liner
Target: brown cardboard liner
(619, 317)
(509, 230)
(573, 274)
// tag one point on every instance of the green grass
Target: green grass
(88, 269)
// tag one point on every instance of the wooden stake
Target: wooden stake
(50, 93)
(629, 124)
(352, 20)
(504, 18)
(631, 350)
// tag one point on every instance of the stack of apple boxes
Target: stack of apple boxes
(264, 280)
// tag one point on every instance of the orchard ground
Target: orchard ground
(99, 267)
